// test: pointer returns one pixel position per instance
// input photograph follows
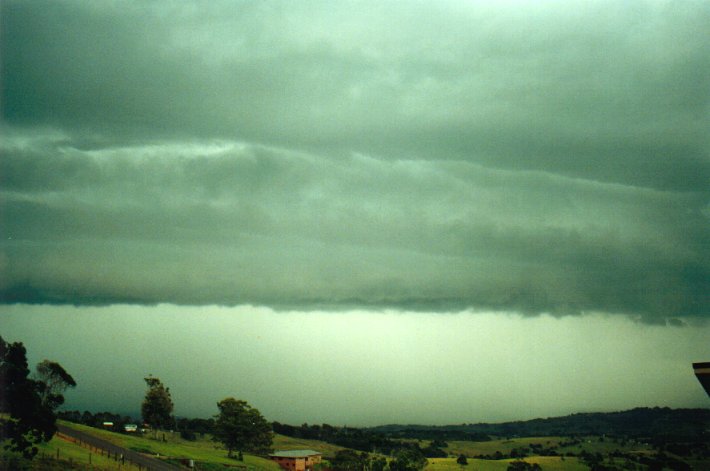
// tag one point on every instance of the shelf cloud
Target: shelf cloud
(536, 158)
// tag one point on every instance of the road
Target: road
(145, 462)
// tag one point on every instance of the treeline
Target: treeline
(416, 432)
(97, 419)
(189, 429)
(658, 424)
(359, 439)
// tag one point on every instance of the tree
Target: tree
(54, 380)
(462, 460)
(241, 427)
(350, 460)
(30, 403)
(520, 465)
(157, 407)
(378, 463)
(408, 459)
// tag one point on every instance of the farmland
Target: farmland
(554, 452)
(203, 451)
(208, 454)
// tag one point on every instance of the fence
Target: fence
(127, 459)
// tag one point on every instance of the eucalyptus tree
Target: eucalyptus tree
(157, 407)
(29, 404)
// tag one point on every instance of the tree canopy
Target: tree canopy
(241, 427)
(157, 407)
(408, 459)
(350, 460)
(30, 403)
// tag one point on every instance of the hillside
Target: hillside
(203, 451)
(663, 424)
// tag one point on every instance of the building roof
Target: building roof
(295, 453)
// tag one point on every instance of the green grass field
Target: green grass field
(548, 463)
(282, 442)
(74, 453)
(63, 454)
(505, 446)
(205, 451)
(201, 450)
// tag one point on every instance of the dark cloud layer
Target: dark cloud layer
(548, 157)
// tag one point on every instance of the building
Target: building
(702, 372)
(297, 460)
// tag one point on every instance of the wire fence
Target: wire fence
(127, 460)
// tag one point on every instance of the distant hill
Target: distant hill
(660, 423)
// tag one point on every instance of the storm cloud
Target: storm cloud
(536, 158)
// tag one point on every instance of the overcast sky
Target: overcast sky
(360, 180)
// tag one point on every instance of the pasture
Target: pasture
(561, 445)
(548, 463)
(200, 450)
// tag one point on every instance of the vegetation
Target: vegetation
(649, 424)
(204, 452)
(97, 419)
(30, 404)
(242, 428)
(641, 439)
(521, 465)
(347, 437)
(350, 460)
(157, 407)
(408, 459)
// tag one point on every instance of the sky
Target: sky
(359, 212)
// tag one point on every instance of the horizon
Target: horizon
(454, 371)
(137, 418)
(361, 212)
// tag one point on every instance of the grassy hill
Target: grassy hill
(658, 423)
(61, 454)
(561, 445)
(282, 442)
(548, 463)
(212, 456)
(203, 451)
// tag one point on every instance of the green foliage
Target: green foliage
(350, 460)
(378, 463)
(241, 427)
(30, 403)
(202, 450)
(157, 407)
(408, 459)
(433, 451)
(640, 423)
(54, 380)
(462, 460)
(523, 466)
(347, 437)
